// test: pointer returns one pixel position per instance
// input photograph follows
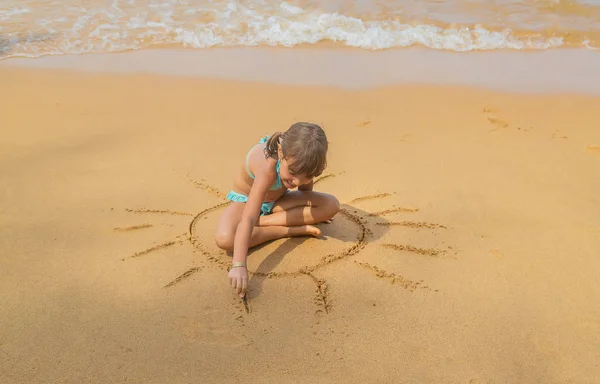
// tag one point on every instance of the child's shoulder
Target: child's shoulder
(257, 162)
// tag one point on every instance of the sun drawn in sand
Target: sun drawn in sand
(200, 230)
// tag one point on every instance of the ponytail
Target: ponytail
(271, 147)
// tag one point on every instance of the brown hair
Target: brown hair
(305, 145)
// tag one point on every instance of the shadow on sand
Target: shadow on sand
(354, 227)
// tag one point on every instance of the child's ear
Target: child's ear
(279, 151)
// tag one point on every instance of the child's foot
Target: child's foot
(313, 231)
(303, 230)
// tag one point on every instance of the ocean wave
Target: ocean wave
(69, 28)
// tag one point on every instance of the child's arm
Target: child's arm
(238, 275)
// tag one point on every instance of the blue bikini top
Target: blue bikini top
(278, 183)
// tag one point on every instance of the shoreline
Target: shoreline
(553, 71)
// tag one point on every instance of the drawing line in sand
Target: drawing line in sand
(393, 278)
(410, 248)
(326, 176)
(185, 274)
(152, 249)
(412, 224)
(162, 211)
(370, 197)
(203, 185)
(323, 177)
(133, 227)
(322, 298)
(394, 210)
(158, 247)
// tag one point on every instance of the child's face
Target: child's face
(289, 179)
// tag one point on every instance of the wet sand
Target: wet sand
(466, 252)
(331, 65)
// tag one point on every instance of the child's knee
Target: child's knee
(224, 240)
(332, 205)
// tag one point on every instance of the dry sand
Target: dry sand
(467, 251)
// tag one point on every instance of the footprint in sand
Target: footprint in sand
(348, 235)
(405, 138)
(557, 135)
(499, 123)
(595, 149)
(497, 254)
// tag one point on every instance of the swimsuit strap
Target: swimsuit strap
(264, 139)
(247, 169)
(278, 183)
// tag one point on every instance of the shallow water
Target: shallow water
(33, 28)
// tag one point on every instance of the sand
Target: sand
(466, 251)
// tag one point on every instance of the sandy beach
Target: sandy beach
(466, 251)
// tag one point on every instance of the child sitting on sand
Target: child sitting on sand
(262, 208)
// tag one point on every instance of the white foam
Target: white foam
(6, 13)
(354, 32)
(120, 27)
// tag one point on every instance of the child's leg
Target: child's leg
(301, 208)
(230, 219)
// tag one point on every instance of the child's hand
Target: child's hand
(238, 278)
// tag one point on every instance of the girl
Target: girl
(262, 208)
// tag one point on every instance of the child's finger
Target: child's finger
(244, 284)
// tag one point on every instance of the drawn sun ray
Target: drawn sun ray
(411, 224)
(393, 278)
(362, 221)
(184, 275)
(326, 176)
(203, 185)
(409, 248)
(159, 211)
(394, 210)
(370, 197)
(166, 244)
(133, 227)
